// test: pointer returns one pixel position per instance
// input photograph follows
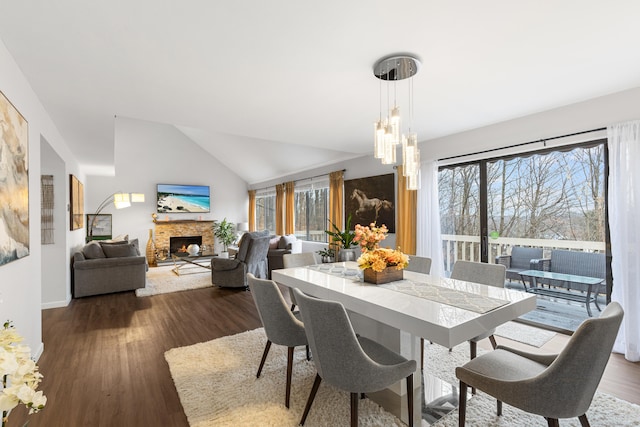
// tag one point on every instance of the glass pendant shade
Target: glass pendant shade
(378, 135)
(395, 124)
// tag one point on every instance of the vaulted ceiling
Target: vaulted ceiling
(291, 81)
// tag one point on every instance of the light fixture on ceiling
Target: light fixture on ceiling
(387, 130)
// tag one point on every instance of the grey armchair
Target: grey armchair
(485, 274)
(346, 361)
(553, 386)
(519, 260)
(280, 325)
(251, 258)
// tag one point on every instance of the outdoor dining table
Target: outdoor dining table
(442, 310)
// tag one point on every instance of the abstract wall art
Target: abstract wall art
(76, 195)
(14, 183)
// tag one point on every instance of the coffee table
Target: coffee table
(183, 261)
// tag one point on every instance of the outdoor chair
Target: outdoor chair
(349, 362)
(519, 260)
(280, 325)
(553, 386)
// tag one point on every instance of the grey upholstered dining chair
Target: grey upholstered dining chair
(280, 325)
(553, 386)
(297, 260)
(422, 265)
(349, 362)
(485, 274)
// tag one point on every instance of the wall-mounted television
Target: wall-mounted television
(176, 198)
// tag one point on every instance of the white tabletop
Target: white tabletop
(441, 323)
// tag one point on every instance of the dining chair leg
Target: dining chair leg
(499, 407)
(308, 352)
(410, 399)
(584, 422)
(553, 422)
(473, 350)
(312, 395)
(289, 372)
(354, 409)
(264, 357)
(421, 354)
(494, 344)
(462, 404)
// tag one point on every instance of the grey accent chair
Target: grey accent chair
(422, 265)
(553, 386)
(485, 274)
(349, 362)
(301, 259)
(251, 258)
(519, 260)
(280, 325)
(419, 264)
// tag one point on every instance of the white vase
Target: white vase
(193, 249)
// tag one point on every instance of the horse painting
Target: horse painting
(371, 199)
(365, 204)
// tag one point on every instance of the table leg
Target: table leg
(588, 302)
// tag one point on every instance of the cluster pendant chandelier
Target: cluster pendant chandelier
(387, 130)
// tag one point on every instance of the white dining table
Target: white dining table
(442, 310)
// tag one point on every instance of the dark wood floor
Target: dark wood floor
(104, 365)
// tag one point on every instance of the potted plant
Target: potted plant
(327, 254)
(224, 231)
(343, 240)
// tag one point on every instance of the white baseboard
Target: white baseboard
(55, 304)
(38, 353)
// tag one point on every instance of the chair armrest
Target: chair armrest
(543, 264)
(504, 260)
(223, 264)
(545, 359)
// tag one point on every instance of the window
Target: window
(266, 209)
(312, 209)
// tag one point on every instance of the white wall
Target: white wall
(21, 280)
(587, 115)
(147, 154)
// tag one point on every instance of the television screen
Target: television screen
(174, 198)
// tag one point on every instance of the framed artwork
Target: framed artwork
(371, 199)
(14, 191)
(99, 226)
(77, 203)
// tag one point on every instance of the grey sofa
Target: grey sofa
(102, 268)
(280, 246)
(573, 262)
(251, 258)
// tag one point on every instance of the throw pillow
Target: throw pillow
(93, 250)
(119, 251)
(274, 242)
(285, 241)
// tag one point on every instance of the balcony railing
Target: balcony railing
(467, 248)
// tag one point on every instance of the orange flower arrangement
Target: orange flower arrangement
(373, 256)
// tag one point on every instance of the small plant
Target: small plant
(327, 252)
(344, 238)
(224, 231)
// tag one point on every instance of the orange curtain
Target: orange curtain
(279, 209)
(252, 210)
(336, 191)
(289, 225)
(407, 213)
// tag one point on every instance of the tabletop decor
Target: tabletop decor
(19, 374)
(379, 265)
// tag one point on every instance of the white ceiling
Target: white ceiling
(289, 83)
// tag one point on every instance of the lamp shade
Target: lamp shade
(242, 226)
(121, 200)
(137, 197)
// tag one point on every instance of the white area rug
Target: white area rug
(524, 333)
(161, 280)
(217, 385)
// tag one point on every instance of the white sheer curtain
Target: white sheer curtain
(624, 223)
(428, 239)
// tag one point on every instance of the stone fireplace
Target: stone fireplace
(180, 244)
(168, 234)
